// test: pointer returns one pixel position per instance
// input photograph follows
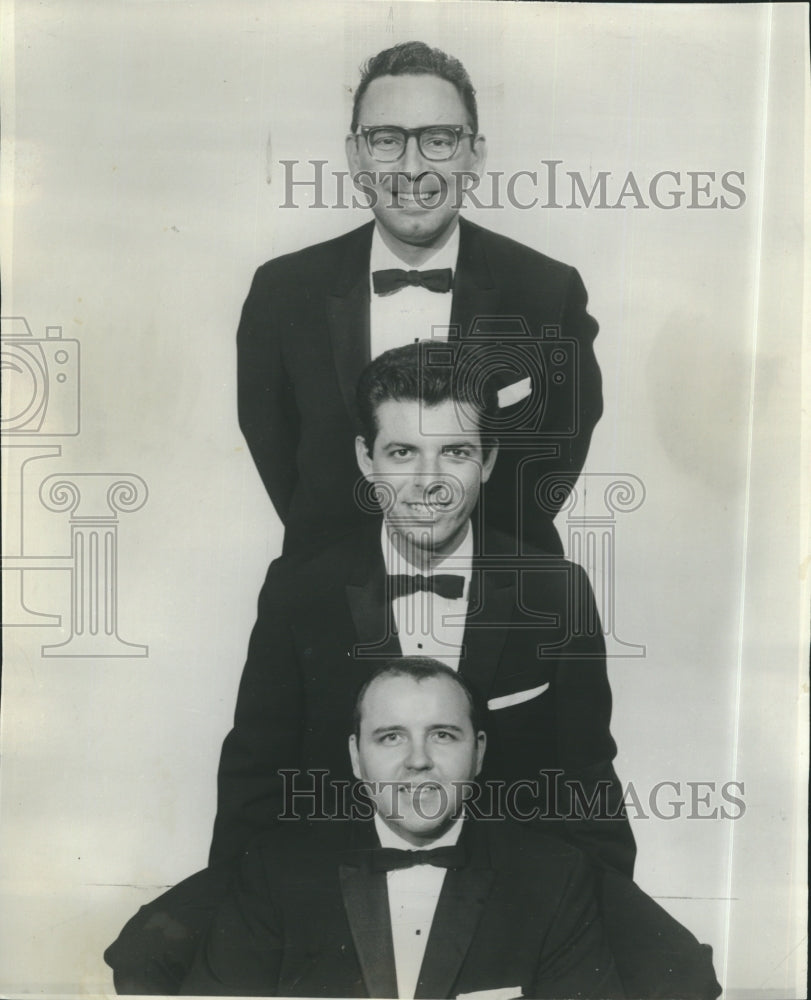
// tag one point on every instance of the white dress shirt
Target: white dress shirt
(427, 623)
(413, 894)
(411, 313)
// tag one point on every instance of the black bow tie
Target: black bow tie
(393, 279)
(447, 585)
(389, 859)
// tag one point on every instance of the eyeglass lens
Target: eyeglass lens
(389, 143)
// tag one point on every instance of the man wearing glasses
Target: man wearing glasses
(313, 319)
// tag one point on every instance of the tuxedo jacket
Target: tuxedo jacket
(309, 917)
(303, 341)
(532, 644)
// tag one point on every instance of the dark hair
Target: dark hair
(417, 59)
(420, 668)
(430, 372)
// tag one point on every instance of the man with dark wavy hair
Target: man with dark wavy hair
(314, 318)
(413, 58)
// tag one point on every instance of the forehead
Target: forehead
(411, 101)
(410, 421)
(398, 700)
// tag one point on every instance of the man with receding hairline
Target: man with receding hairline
(313, 319)
(412, 895)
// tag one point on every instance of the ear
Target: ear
(364, 459)
(489, 462)
(479, 145)
(353, 756)
(481, 746)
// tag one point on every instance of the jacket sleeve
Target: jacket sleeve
(241, 952)
(656, 957)
(576, 403)
(581, 327)
(576, 960)
(266, 735)
(268, 415)
(588, 794)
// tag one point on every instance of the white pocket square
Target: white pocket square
(502, 993)
(507, 700)
(512, 394)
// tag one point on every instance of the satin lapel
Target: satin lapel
(490, 609)
(366, 597)
(367, 907)
(348, 317)
(474, 291)
(458, 912)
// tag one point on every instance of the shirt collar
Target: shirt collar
(382, 257)
(388, 837)
(460, 561)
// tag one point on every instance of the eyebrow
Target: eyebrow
(401, 729)
(471, 442)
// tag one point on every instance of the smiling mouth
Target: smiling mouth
(437, 505)
(426, 509)
(419, 789)
(423, 513)
(417, 199)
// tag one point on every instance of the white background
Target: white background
(141, 188)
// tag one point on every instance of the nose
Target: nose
(418, 757)
(424, 475)
(437, 491)
(430, 484)
(413, 160)
(428, 467)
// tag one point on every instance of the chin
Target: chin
(423, 831)
(442, 541)
(417, 228)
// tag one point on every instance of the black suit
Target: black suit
(303, 341)
(323, 625)
(309, 917)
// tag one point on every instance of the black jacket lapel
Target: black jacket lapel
(459, 909)
(474, 290)
(366, 595)
(348, 316)
(490, 609)
(367, 907)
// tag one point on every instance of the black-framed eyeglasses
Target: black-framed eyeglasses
(387, 143)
